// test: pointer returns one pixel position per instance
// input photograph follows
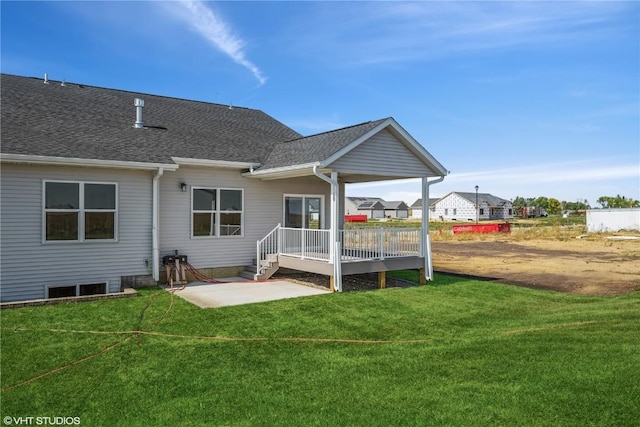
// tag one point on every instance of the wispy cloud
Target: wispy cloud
(213, 28)
(558, 172)
(388, 32)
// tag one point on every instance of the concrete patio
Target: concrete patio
(238, 291)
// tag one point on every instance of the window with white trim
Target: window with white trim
(80, 211)
(216, 212)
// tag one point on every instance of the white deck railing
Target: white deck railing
(305, 243)
(356, 244)
(379, 243)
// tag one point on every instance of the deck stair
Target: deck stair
(269, 267)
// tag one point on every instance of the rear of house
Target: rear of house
(109, 182)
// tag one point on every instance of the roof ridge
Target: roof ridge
(82, 85)
(337, 130)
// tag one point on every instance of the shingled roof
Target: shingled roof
(71, 123)
(316, 147)
(418, 203)
(87, 122)
(489, 199)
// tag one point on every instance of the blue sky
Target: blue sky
(520, 98)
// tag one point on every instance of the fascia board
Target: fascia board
(70, 161)
(279, 171)
(214, 163)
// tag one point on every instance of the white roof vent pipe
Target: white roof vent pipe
(139, 104)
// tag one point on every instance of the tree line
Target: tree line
(555, 206)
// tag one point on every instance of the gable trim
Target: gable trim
(406, 139)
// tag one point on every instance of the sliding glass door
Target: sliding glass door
(302, 211)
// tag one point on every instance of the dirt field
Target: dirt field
(591, 265)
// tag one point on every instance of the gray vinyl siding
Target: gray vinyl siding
(263, 210)
(381, 154)
(28, 265)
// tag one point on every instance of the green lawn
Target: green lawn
(456, 352)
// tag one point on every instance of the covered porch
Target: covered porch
(372, 151)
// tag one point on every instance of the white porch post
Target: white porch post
(336, 257)
(425, 248)
(334, 245)
(426, 238)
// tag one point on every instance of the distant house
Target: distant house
(375, 207)
(396, 209)
(459, 206)
(415, 210)
(372, 207)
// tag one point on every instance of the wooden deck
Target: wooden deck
(363, 250)
(354, 266)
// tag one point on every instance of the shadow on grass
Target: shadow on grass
(439, 278)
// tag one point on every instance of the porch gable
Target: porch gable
(372, 158)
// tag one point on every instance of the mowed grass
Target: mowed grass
(456, 352)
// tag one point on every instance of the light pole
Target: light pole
(477, 207)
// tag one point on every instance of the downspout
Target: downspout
(334, 251)
(155, 239)
(426, 240)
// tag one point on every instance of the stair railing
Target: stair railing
(268, 245)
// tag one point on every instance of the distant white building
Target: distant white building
(459, 206)
(415, 210)
(611, 220)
